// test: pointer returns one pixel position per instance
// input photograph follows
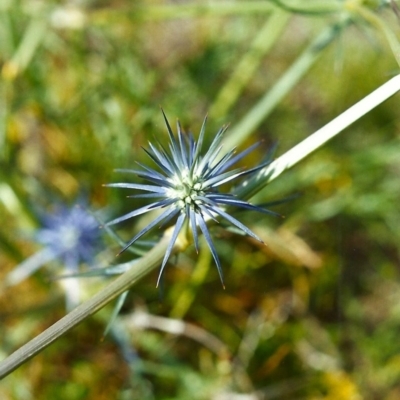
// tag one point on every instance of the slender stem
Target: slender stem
(140, 268)
(282, 87)
(380, 24)
(253, 185)
(32, 38)
(201, 9)
(267, 37)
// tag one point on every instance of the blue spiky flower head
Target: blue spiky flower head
(72, 233)
(186, 187)
(69, 235)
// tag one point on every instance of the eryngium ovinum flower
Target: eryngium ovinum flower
(186, 187)
(69, 236)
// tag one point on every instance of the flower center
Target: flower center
(187, 189)
(70, 236)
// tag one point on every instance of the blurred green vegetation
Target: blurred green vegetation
(315, 313)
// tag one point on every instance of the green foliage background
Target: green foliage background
(315, 313)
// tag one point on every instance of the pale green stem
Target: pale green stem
(34, 34)
(379, 24)
(198, 276)
(222, 8)
(140, 268)
(261, 45)
(253, 185)
(202, 9)
(282, 87)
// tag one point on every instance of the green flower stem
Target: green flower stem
(253, 185)
(222, 8)
(283, 86)
(379, 24)
(262, 44)
(33, 37)
(204, 8)
(197, 278)
(140, 268)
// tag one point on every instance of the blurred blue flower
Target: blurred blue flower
(69, 235)
(186, 187)
(72, 233)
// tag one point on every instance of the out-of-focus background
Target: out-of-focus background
(313, 314)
